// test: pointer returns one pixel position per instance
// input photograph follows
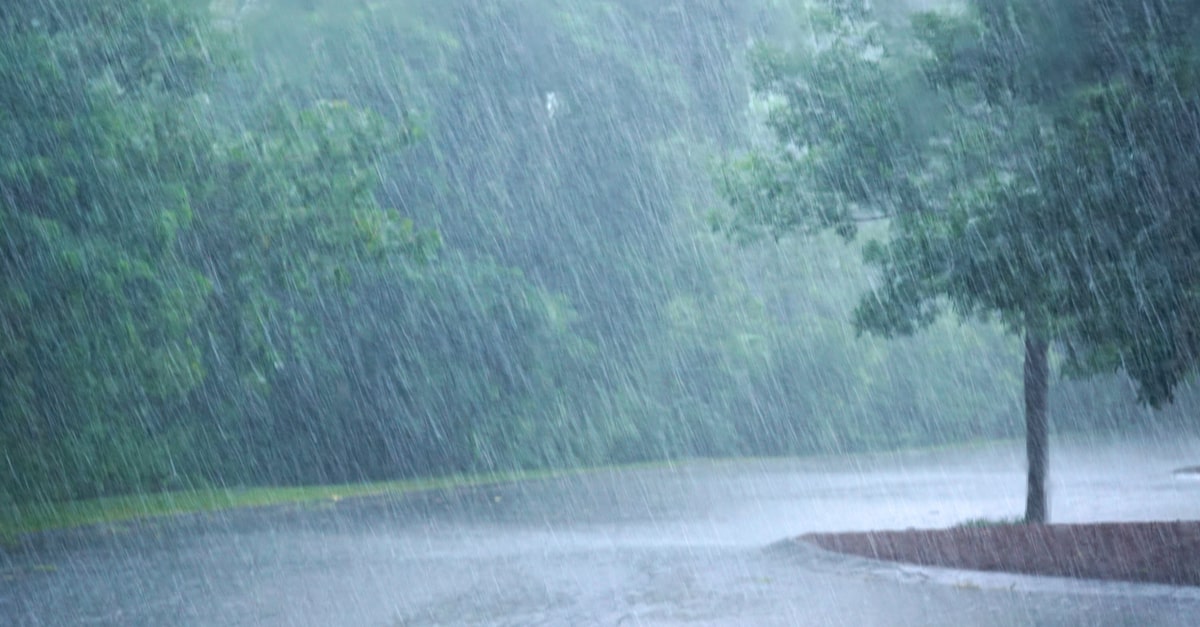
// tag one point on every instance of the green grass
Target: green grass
(32, 518)
(16, 521)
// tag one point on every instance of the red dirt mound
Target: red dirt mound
(1156, 552)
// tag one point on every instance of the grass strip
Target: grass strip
(17, 520)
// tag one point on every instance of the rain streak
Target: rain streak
(611, 312)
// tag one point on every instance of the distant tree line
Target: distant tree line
(298, 241)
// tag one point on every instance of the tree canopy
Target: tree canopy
(1024, 158)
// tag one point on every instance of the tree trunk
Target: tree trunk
(1037, 432)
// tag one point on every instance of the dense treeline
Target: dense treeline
(289, 241)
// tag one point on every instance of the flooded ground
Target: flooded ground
(691, 544)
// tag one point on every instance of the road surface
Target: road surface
(697, 543)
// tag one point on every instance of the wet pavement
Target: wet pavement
(700, 543)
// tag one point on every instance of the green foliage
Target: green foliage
(155, 253)
(1127, 128)
(219, 263)
(17, 520)
(1101, 191)
(1037, 184)
(841, 157)
(1026, 185)
(97, 300)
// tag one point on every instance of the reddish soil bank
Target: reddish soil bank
(1158, 552)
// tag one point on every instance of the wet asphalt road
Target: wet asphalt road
(694, 544)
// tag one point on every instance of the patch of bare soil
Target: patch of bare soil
(1155, 552)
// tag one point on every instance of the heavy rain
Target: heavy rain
(612, 312)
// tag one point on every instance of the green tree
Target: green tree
(286, 219)
(167, 242)
(1076, 201)
(96, 128)
(578, 207)
(983, 144)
